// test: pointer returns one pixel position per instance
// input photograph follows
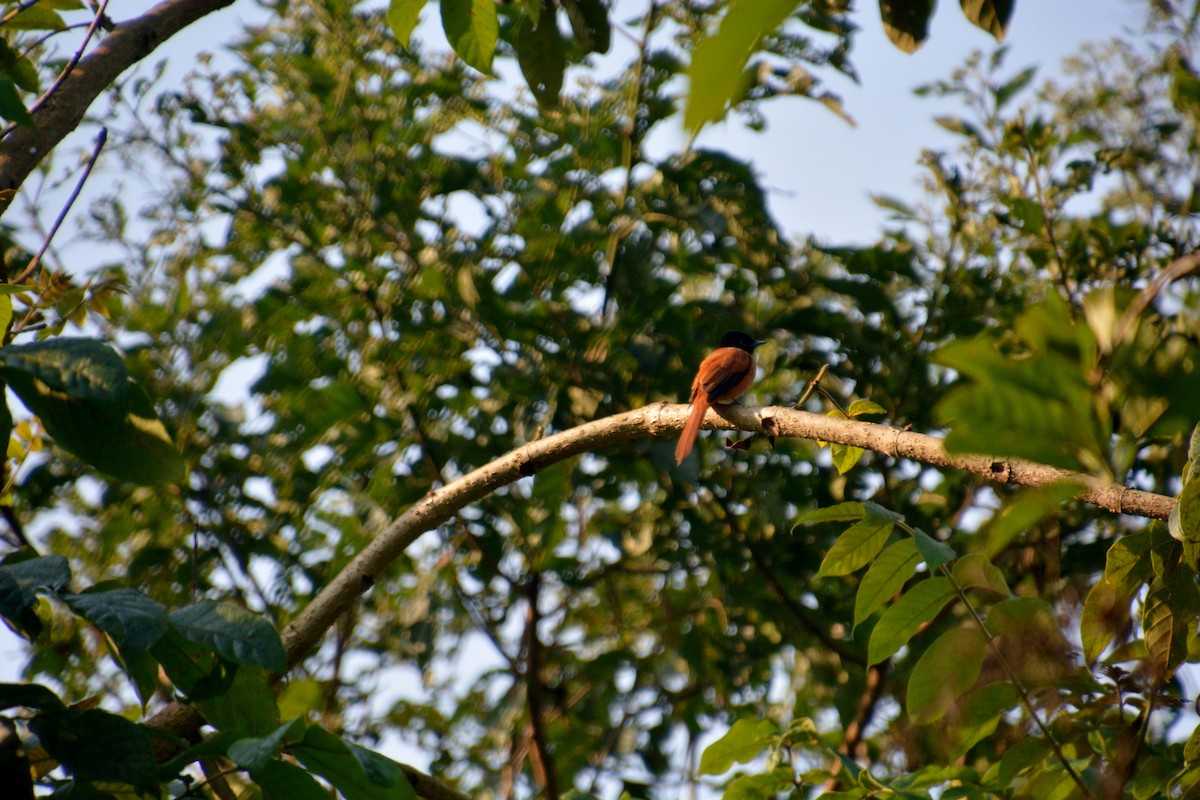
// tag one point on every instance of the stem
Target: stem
(68, 69)
(812, 385)
(101, 138)
(1010, 673)
(533, 690)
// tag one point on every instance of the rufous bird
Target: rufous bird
(722, 378)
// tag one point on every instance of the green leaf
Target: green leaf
(215, 745)
(960, 126)
(741, 744)
(6, 306)
(247, 704)
(29, 695)
(236, 634)
(990, 15)
(946, 670)
(190, 666)
(1168, 617)
(1026, 510)
(716, 76)
(379, 769)
(280, 780)
(1105, 611)
(1030, 215)
(887, 576)
(1184, 522)
(845, 456)
(976, 571)
(333, 759)
(1036, 404)
(904, 618)
(402, 18)
(590, 24)
(934, 553)
(906, 22)
(1012, 88)
(135, 621)
(472, 28)
(36, 18)
(95, 745)
(253, 753)
(80, 390)
(760, 785)
(856, 546)
(20, 583)
(979, 714)
(11, 106)
(543, 59)
(1032, 637)
(1129, 565)
(842, 512)
(897, 206)
(861, 407)
(18, 67)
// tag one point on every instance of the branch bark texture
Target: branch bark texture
(131, 41)
(661, 420)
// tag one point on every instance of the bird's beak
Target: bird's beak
(759, 342)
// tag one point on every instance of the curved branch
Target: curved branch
(62, 111)
(660, 420)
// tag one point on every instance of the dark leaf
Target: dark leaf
(332, 759)
(542, 57)
(80, 390)
(135, 621)
(95, 745)
(906, 22)
(240, 636)
(990, 15)
(590, 24)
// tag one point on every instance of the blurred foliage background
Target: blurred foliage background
(338, 303)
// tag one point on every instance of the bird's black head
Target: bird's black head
(740, 340)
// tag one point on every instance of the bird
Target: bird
(722, 378)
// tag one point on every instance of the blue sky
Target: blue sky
(821, 170)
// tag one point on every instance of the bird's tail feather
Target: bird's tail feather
(687, 439)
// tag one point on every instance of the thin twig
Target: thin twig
(1173, 271)
(101, 138)
(1009, 673)
(22, 7)
(812, 385)
(533, 690)
(68, 69)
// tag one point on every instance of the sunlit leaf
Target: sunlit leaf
(900, 622)
(402, 16)
(716, 75)
(472, 28)
(741, 744)
(906, 22)
(857, 545)
(886, 577)
(990, 15)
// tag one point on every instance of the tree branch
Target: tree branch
(61, 113)
(661, 420)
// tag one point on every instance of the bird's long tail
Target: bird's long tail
(687, 439)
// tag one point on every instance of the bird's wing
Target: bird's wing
(723, 371)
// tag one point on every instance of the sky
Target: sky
(820, 170)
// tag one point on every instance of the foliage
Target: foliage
(404, 276)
